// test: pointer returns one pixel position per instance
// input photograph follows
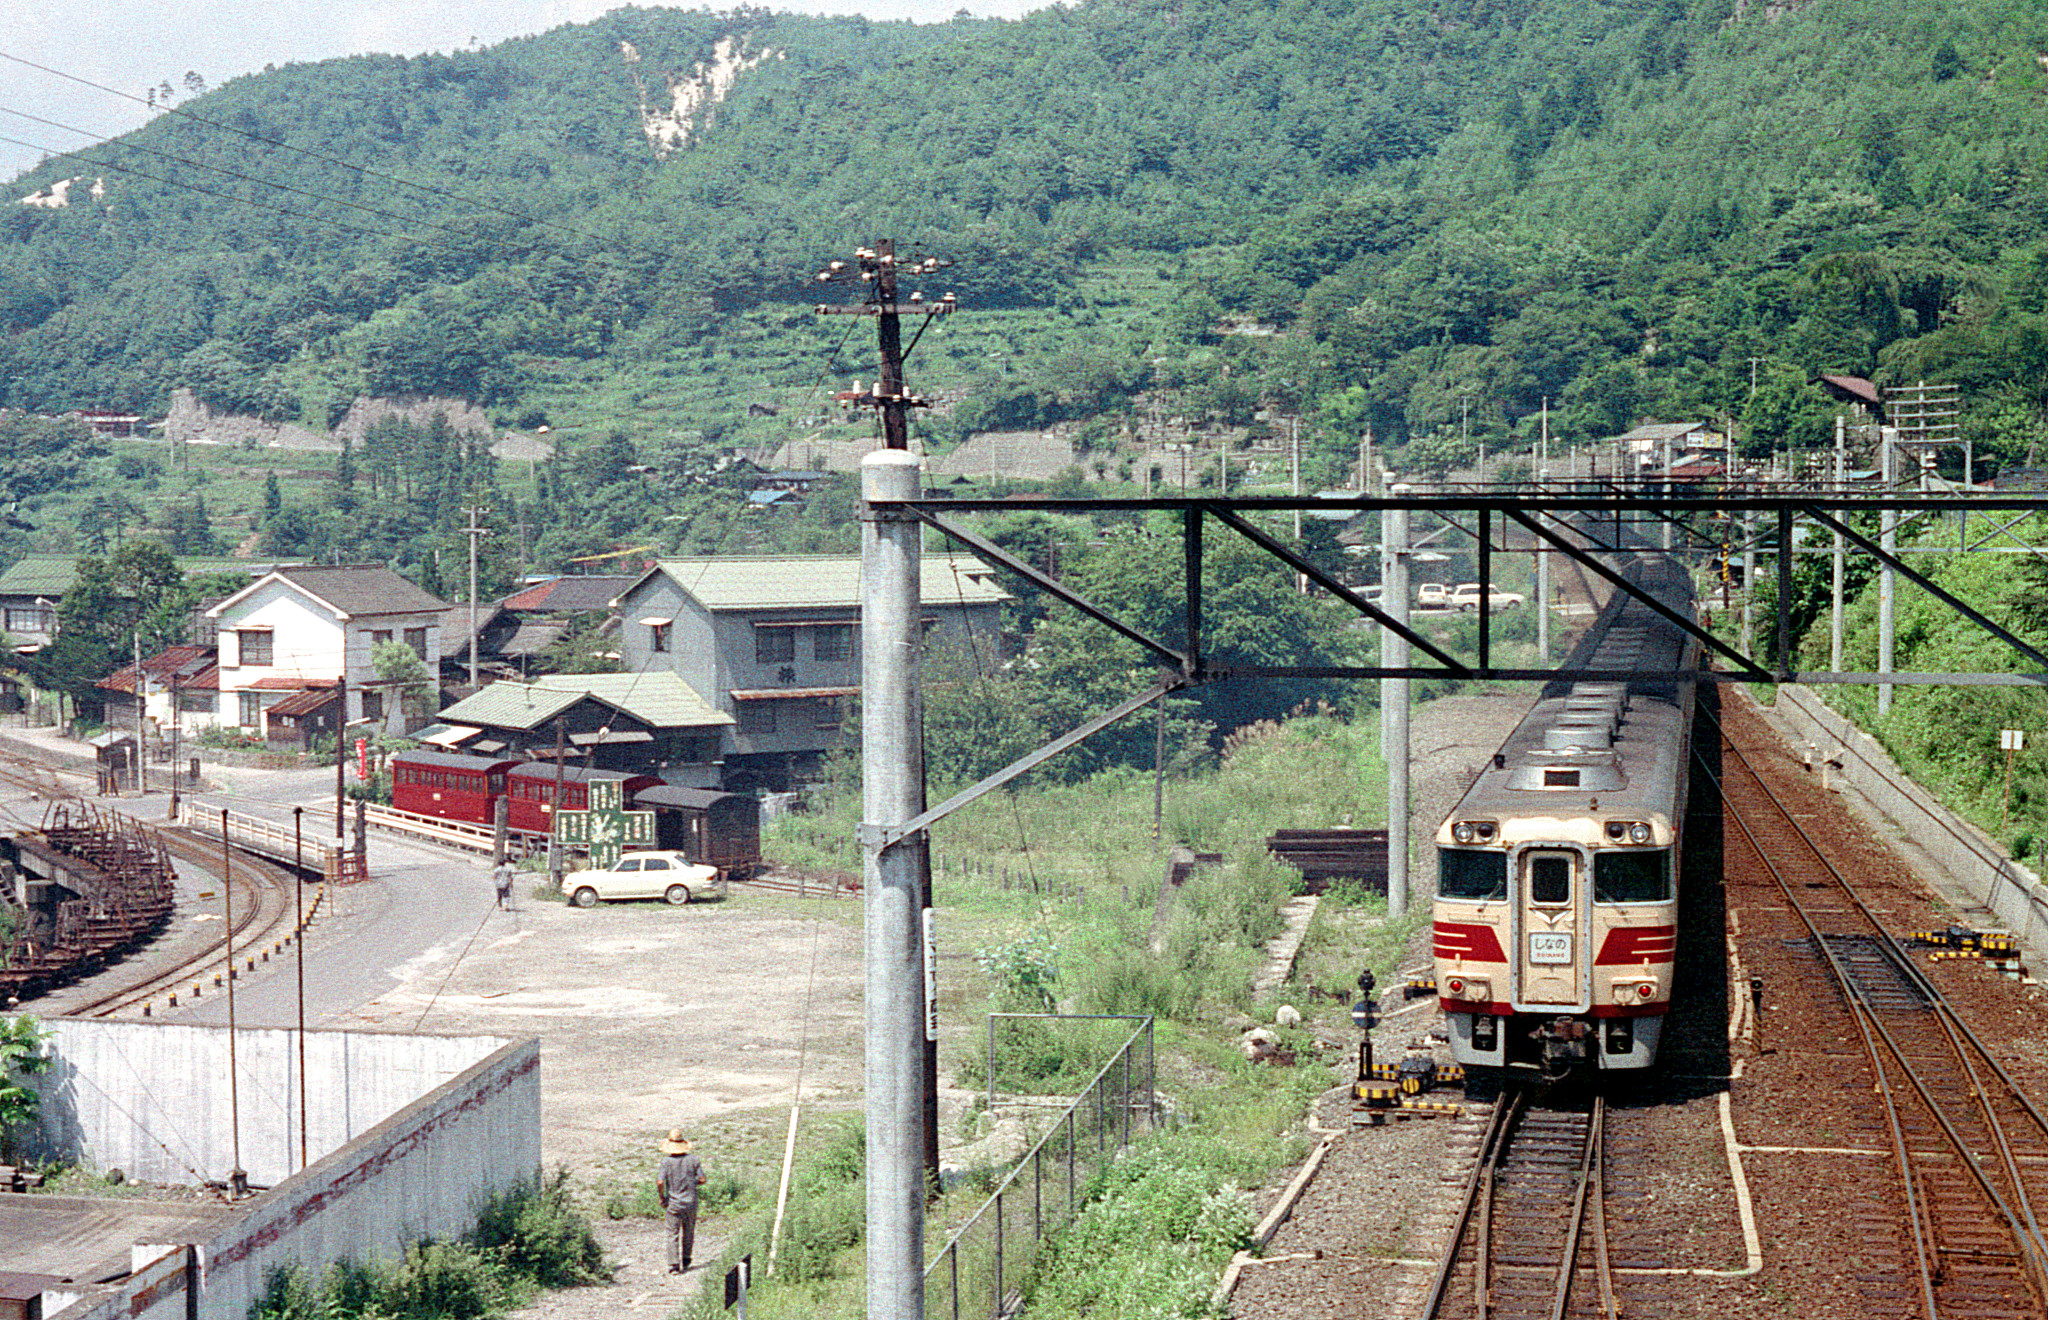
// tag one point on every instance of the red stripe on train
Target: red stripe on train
(1457, 939)
(1638, 944)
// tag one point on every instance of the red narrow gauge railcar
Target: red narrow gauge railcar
(447, 785)
(530, 789)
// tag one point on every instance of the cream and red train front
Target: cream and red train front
(1555, 938)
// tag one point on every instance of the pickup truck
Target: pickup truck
(1433, 596)
(1465, 596)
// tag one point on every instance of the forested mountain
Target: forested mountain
(1624, 206)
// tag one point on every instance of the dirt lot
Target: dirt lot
(649, 1018)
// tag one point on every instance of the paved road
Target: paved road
(421, 908)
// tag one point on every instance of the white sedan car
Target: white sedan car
(669, 876)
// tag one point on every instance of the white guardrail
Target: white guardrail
(254, 834)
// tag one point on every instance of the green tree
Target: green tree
(400, 666)
(21, 1057)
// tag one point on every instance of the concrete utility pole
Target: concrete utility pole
(1394, 697)
(892, 792)
(474, 511)
(1543, 586)
(1887, 581)
(1833, 623)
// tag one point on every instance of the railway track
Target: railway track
(265, 916)
(1531, 1239)
(266, 920)
(1968, 1147)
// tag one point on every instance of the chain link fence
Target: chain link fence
(980, 1273)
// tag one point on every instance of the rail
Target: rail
(1536, 1186)
(981, 1269)
(1966, 1140)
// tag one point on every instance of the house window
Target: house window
(30, 620)
(657, 635)
(251, 710)
(774, 646)
(828, 713)
(254, 645)
(757, 717)
(373, 704)
(416, 638)
(380, 636)
(833, 642)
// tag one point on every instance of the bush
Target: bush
(534, 1231)
(526, 1238)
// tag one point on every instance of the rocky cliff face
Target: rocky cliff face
(191, 421)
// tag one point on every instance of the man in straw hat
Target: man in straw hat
(675, 1186)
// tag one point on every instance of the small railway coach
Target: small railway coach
(712, 827)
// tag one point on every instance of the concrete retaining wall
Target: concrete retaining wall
(1976, 861)
(153, 1100)
(421, 1173)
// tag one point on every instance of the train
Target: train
(716, 828)
(1555, 922)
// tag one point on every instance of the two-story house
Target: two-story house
(297, 630)
(774, 641)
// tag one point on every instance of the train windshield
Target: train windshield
(1632, 877)
(1471, 873)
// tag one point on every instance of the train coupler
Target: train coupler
(1564, 1043)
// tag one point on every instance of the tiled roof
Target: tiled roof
(355, 589)
(193, 667)
(53, 575)
(304, 703)
(510, 706)
(661, 700)
(567, 595)
(1655, 431)
(769, 582)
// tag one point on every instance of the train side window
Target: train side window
(1471, 873)
(1550, 880)
(1632, 877)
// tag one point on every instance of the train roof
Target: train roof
(1619, 742)
(451, 761)
(571, 774)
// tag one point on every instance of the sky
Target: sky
(132, 45)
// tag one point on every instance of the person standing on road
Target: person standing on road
(675, 1186)
(502, 876)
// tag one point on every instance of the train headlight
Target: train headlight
(1466, 831)
(1639, 832)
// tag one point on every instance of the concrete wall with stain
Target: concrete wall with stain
(421, 1173)
(154, 1100)
(1974, 860)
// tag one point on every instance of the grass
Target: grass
(1050, 897)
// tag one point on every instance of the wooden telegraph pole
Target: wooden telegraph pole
(879, 268)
